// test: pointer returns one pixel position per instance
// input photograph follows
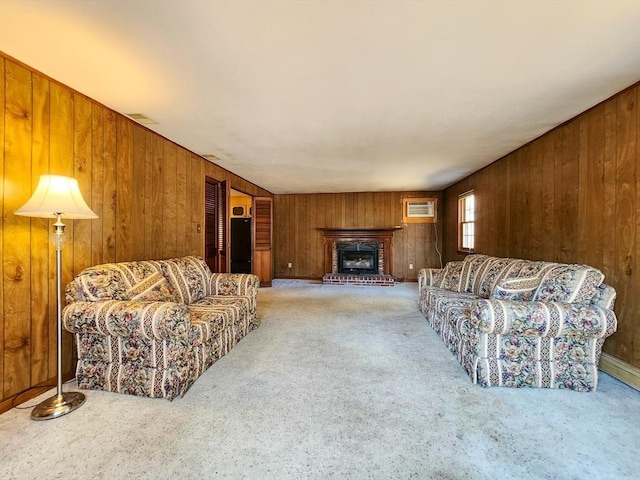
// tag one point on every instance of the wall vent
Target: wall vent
(141, 118)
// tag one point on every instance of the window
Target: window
(466, 215)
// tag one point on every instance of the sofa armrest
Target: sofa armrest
(126, 318)
(430, 276)
(542, 319)
(234, 284)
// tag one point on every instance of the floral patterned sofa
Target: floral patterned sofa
(521, 323)
(151, 328)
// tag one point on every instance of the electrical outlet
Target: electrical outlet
(411, 266)
(289, 265)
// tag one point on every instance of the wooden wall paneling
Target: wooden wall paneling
(97, 182)
(482, 211)
(316, 239)
(40, 234)
(124, 189)
(82, 168)
(360, 210)
(148, 186)
(569, 155)
(390, 217)
(335, 212)
(17, 259)
(302, 235)
(369, 209)
(82, 171)
(609, 206)
(195, 186)
(592, 193)
(292, 230)
(283, 232)
(110, 197)
(510, 205)
(292, 254)
(277, 248)
(182, 215)
(492, 227)
(298, 217)
(522, 224)
(300, 265)
(400, 239)
(626, 170)
(550, 244)
(536, 202)
(349, 208)
(447, 223)
(61, 161)
(157, 195)
(138, 192)
(635, 358)
(2, 197)
(169, 207)
(582, 127)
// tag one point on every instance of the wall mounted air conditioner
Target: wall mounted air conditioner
(419, 210)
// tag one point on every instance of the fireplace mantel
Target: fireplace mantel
(359, 232)
(338, 235)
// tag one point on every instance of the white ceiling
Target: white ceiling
(337, 96)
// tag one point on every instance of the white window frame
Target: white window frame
(466, 222)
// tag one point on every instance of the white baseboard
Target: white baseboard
(621, 370)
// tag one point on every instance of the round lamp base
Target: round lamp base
(57, 406)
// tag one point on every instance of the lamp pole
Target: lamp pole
(61, 403)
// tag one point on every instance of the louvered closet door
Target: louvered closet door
(216, 225)
(263, 236)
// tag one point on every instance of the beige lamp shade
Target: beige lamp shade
(56, 195)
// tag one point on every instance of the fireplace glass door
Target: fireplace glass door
(358, 258)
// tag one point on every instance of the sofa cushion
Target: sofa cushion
(471, 266)
(516, 289)
(153, 288)
(189, 278)
(495, 270)
(109, 281)
(94, 284)
(489, 274)
(569, 283)
(452, 277)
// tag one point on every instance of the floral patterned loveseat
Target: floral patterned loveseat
(521, 323)
(151, 328)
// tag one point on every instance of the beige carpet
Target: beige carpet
(338, 383)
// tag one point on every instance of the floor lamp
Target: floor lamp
(57, 197)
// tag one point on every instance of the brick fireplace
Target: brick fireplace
(358, 256)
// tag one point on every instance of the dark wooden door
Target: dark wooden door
(217, 226)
